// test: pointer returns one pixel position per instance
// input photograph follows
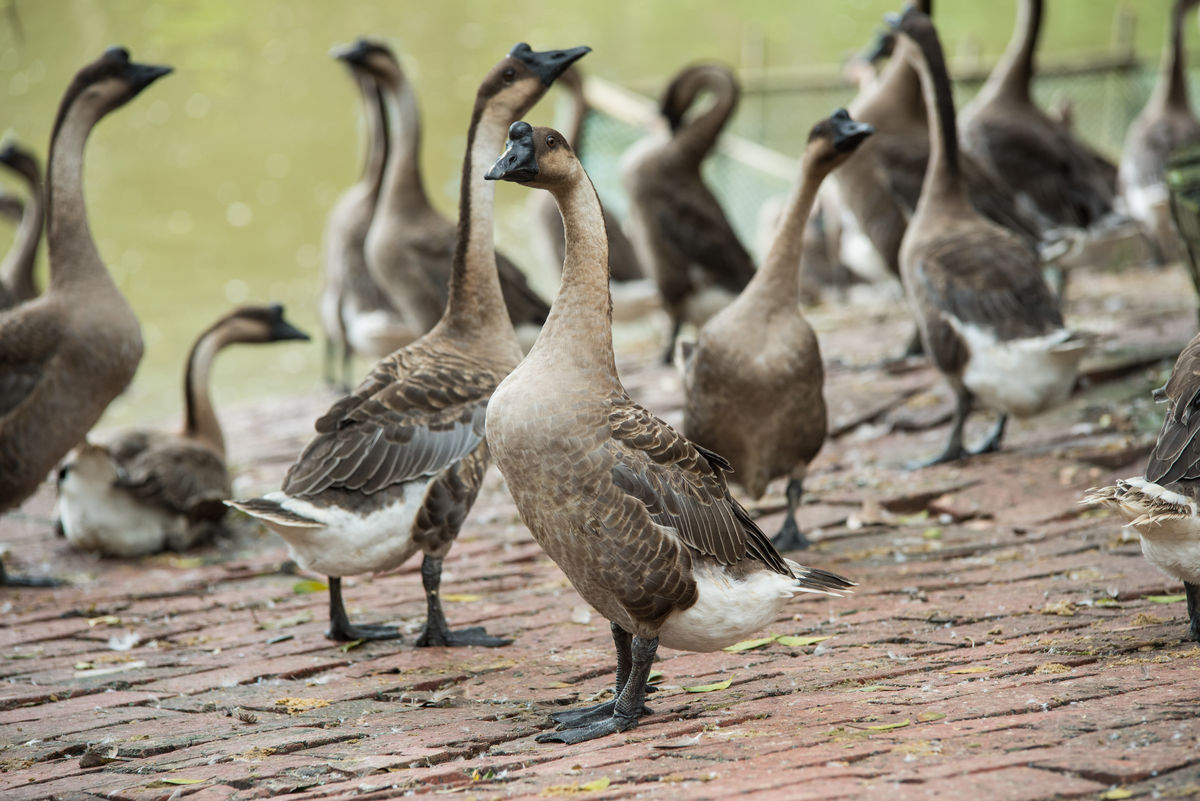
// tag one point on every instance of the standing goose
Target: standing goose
(1162, 506)
(623, 262)
(16, 271)
(988, 320)
(148, 490)
(410, 246)
(68, 352)
(355, 312)
(678, 228)
(1166, 123)
(396, 465)
(1037, 158)
(639, 518)
(754, 379)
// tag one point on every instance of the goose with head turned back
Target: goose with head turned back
(396, 465)
(147, 490)
(68, 352)
(754, 379)
(410, 246)
(1038, 159)
(16, 270)
(357, 315)
(676, 224)
(638, 517)
(988, 320)
(622, 260)
(1164, 124)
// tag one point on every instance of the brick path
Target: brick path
(1005, 643)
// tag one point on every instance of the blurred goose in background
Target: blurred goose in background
(11, 206)
(678, 228)
(16, 270)
(410, 246)
(988, 320)
(1037, 158)
(356, 314)
(1162, 505)
(68, 352)
(146, 490)
(754, 380)
(396, 465)
(1164, 124)
(639, 518)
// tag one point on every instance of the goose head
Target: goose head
(257, 324)
(521, 78)
(11, 207)
(107, 83)
(372, 58)
(834, 139)
(20, 161)
(537, 157)
(686, 87)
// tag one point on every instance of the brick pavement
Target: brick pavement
(1004, 643)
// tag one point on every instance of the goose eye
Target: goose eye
(509, 74)
(551, 142)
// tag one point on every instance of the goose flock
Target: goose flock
(471, 364)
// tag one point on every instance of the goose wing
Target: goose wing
(1176, 454)
(692, 221)
(28, 342)
(417, 413)
(180, 476)
(683, 487)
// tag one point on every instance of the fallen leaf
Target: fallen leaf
(1107, 602)
(107, 620)
(572, 789)
(303, 616)
(598, 784)
(296, 706)
(887, 726)
(461, 598)
(1116, 794)
(309, 586)
(34, 654)
(708, 688)
(976, 669)
(926, 717)
(84, 666)
(800, 642)
(350, 646)
(654, 677)
(182, 781)
(185, 562)
(749, 645)
(1162, 599)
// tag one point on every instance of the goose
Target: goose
(1164, 124)
(356, 314)
(624, 265)
(638, 517)
(678, 229)
(410, 246)
(147, 490)
(68, 352)
(753, 381)
(11, 206)
(396, 465)
(987, 319)
(1161, 506)
(1035, 157)
(16, 270)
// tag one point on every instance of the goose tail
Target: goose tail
(822, 582)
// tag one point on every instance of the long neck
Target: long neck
(579, 329)
(403, 190)
(696, 138)
(1014, 73)
(943, 182)
(375, 109)
(777, 282)
(579, 115)
(16, 271)
(1171, 89)
(899, 87)
(476, 306)
(200, 420)
(73, 254)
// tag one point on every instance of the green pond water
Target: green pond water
(211, 188)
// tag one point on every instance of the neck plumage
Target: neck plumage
(898, 91)
(403, 190)
(579, 115)
(579, 329)
(1171, 89)
(200, 420)
(376, 114)
(73, 254)
(1012, 76)
(16, 271)
(943, 180)
(777, 282)
(696, 138)
(476, 305)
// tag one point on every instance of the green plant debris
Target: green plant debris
(926, 717)
(801, 642)
(350, 646)
(309, 586)
(303, 616)
(1163, 599)
(748, 645)
(890, 726)
(709, 688)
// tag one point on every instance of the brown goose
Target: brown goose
(410, 246)
(623, 261)
(148, 490)
(754, 379)
(16, 271)
(68, 352)
(396, 465)
(357, 315)
(1164, 124)
(1162, 506)
(1037, 158)
(677, 226)
(639, 518)
(987, 318)
(11, 206)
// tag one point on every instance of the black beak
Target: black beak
(549, 64)
(355, 53)
(847, 133)
(140, 76)
(518, 163)
(281, 329)
(882, 47)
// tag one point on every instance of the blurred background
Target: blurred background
(211, 189)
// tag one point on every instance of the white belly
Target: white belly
(727, 610)
(98, 517)
(1021, 377)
